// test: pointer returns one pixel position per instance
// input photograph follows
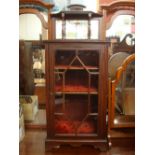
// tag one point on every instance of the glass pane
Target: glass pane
(88, 126)
(64, 58)
(76, 29)
(74, 121)
(39, 65)
(58, 29)
(94, 83)
(130, 75)
(94, 29)
(63, 125)
(125, 92)
(58, 82)
(94, 104)
(76, 99)
(122, 25)
(76, 81)
(89, 58)
(59, 101)
(75, 109)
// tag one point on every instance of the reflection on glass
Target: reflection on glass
(94, 29)
(76, 29)
(122, 25)
(39, 65)
(71, 120)
(125, 92)
(94, 104)
(58, 29)
(59, 101)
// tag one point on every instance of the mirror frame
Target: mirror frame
(111, 10)
(112, 88)
(35, 11)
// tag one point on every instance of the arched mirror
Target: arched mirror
(121, 26)
(121, 34)
(33, 28)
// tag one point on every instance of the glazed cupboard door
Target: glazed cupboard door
(76, 90)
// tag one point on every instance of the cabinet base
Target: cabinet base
(102, 145)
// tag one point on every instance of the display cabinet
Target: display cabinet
(76, 80)
(77, 93)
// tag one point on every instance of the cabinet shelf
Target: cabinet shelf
(76, 67)
(68, 89)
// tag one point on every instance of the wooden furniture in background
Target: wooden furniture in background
(121, 107)
(40, 92)
(123, 46)
(39, 56)
(121, 130)
(27, 83)
(26, 78)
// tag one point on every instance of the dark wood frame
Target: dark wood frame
(101, 140)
